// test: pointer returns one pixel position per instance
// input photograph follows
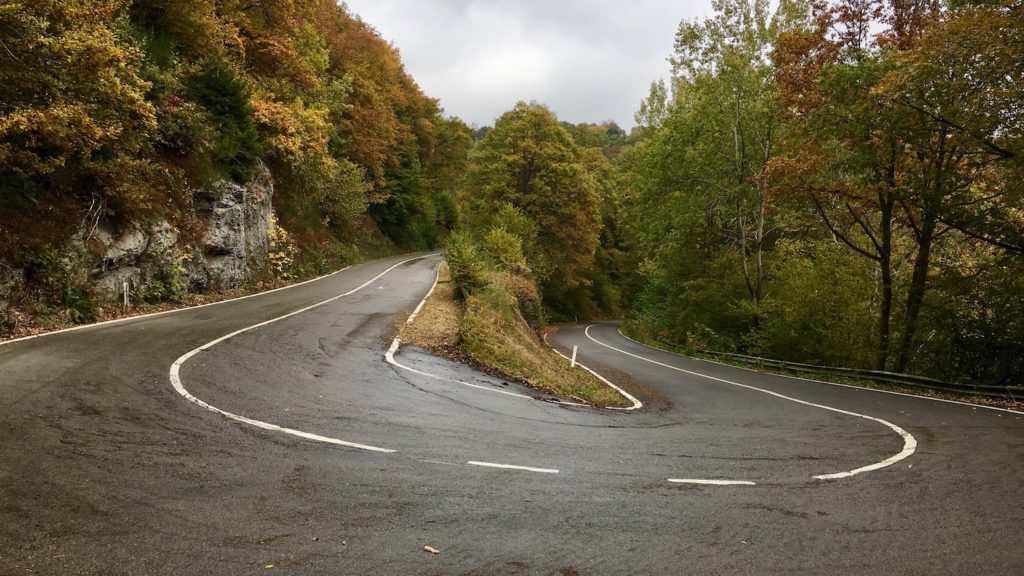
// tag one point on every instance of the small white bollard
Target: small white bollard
(573, 363)
(125, 286)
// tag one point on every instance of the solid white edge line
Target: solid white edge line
(636, 403)
(513, 467)
(175, 371)
(712, 482)
(390, 354)
(909, 442)
(166, 312)
(906, 394)
(390, 357)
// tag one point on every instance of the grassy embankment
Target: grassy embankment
(488, 314)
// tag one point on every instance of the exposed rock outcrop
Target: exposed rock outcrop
(234, 222)
(238, 220)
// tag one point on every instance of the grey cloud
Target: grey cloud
(589, 60)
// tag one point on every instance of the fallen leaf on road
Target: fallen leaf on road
(431, 550)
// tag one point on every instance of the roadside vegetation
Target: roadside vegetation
(837, 185)
(486, 311)
(1008, 402)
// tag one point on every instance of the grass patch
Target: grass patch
(436, 328)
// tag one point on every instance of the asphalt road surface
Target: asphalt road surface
(157, 446)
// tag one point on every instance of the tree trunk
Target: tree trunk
(887, 208)
(918, 287)
(884, 314)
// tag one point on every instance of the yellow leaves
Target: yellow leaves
(297, 131)
(281, 250)
(73, 87)
(274, 115)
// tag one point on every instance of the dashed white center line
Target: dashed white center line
(513, 467)
(712, 482)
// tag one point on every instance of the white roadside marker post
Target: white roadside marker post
(572, 364)
(125, 286)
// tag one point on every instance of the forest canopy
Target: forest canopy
(117, 109)
(838, 183)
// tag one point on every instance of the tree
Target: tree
(74, 119)
(726, 117)
(531, 163)
(900, 135)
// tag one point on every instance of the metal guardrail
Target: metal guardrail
(921, 382)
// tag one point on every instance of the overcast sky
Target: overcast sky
(588, 60)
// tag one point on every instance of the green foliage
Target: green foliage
(820, 308)
(850, 202)
(504, 249)
(973, 326)
(531, 163)
(467, 264)
(76, 304)
(220, 90)
(167, 281)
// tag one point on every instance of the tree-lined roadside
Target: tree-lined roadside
(837, 184)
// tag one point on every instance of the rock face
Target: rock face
(235, 223)
(238, 221)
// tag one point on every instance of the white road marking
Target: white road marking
(636, 403)
(932, 398)
(166, 312)
(513, 467)
(390, 357)
(175, 372)
(390, 354)
(712, 482)
(396, 343)
(909, 442)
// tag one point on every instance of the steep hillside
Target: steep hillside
(160, 147)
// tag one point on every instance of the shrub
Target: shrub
(468, 268)
(504, 249)
(77, 303)
(168, 281)
(282, 250)
(237, 146)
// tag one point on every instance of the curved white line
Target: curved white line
(175, 371)
(390, 354)
(396, 343)
(390, 357)
(636, 403)
(894, 393)
(909, 442)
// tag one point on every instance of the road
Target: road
(157, 446)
